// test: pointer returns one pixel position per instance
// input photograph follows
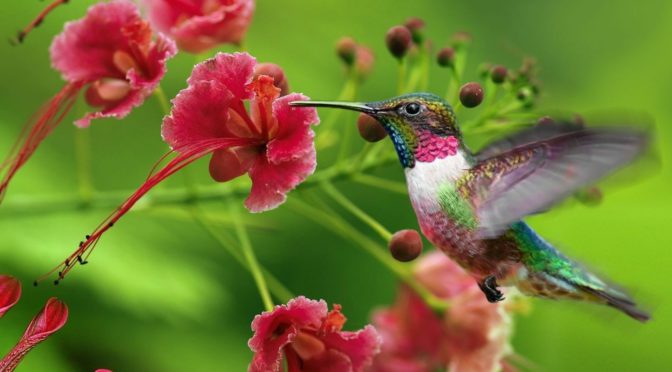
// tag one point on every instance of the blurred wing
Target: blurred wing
(532, 177)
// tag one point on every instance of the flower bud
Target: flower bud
(398, 40)
(415, 25)
(545, 120)
(461, 39)
(498, 74)
(446, 57)
(405, 245)
(10, 291)
(524, 94)
(370, 129)
(590, 196)
(364, 60)
(346, 49)
(276, 72)
(471, 94)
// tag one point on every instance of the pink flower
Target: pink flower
(311, 339)
(50, 319)
(273, 143)
(279, 152)
(10, 292)
(110, 52)
(199, 25)
(473, 335)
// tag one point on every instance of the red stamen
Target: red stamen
(37, 21)
(185, 155)
(36, 130)
(239, 108)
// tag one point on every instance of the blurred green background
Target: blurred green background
(160, 294)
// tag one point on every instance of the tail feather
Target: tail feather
(621, 302)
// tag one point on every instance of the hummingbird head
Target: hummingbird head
(422, 126)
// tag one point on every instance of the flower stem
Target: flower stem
(274, 285)
(355, 210)
(402, 76)
(163, 101)
(83, 150)
(381, 183)
(339, 226)
(250, 257)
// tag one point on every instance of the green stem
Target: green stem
(163, 101)
(274, 285)
(341, 227)
(381, 183)
(83, 149)
(348, 91)
(26, 206)
(355, 210)
(250, 257)
(402, 76)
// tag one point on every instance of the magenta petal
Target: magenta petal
(272, 182)
(234, 71)
(84, 50)
(200, 112)
(49, 320)
(196, 28)
(141, 86)
(360, 346)
(294, 139)
(275, 329)
(10, 292)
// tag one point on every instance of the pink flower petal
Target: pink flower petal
(200, 112)
(112, 41)
(199, 25)
(273, 330)
(84, 50)
(360, 347)
(294, 139)
(49, 320)
(272, 182)
(10, 292)
(233, 71)
(227, 164)
(141, 86)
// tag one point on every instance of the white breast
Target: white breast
(424, 181)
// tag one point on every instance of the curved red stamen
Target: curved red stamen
(36, 130)
(38, 20)
(185, 155)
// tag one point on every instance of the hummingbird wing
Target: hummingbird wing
(527, 176)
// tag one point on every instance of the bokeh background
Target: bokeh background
(160, 294)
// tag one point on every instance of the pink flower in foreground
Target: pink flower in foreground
(10, 292)
(473, 335)
(273, 143)
(111, 53)
(311, 339)
(199, 25)
(50, 319)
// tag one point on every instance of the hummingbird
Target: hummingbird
(471, 205)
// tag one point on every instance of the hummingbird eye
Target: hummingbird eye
(412, 108)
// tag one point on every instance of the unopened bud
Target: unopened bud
(498, 74)
(415, 25)
(370, 129)
(346, 49)
(398, 40)
(364, 60)
(405, 245)
(461, 39)
(276, 72)
(446, 57)
(471, 94)
(590, 196)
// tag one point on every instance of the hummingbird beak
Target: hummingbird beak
(353, 106)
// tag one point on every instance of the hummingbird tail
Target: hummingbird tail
(621, 302)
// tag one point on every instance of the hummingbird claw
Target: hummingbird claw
(489, 287)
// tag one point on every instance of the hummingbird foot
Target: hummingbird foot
(489, 287)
